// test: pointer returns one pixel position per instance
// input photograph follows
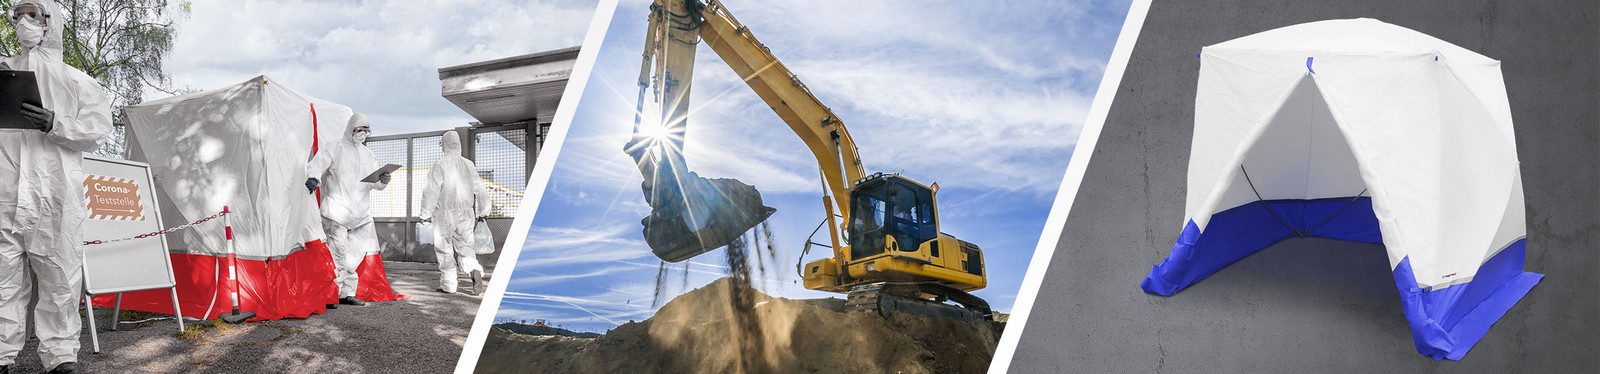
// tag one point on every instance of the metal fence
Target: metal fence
(504, 155)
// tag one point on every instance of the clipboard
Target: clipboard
(390, 168)
(17, 87)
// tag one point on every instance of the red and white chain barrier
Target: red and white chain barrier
(224, 212)
(233, 275)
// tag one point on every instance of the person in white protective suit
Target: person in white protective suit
(346, 219)
(41, 193)
(455, 198)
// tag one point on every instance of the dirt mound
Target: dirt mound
(697, 332)
(536, 329)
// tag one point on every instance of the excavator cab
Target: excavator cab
(897, 260)
(893, 235)
(891, 213)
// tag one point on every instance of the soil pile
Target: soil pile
(537, 329)
(700, 332)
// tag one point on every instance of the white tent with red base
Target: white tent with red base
(244, 146)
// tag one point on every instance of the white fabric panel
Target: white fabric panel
(1236, 92)
(1236, 192)
(1479, 166)
(243, 146)
(1393, 125)
(1514, 224)
(1423, 125)
(1276, 161)
(1299, 153)
(286, 108)
(1332, 170)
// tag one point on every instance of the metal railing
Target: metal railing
(504, 155)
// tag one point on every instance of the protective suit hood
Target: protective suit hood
(52, 44)
(451, 143)
(357, 120)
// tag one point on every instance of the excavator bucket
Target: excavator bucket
(701, 216)
(689, 215)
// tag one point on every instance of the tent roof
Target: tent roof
(196, 95)
(231, 92)
(1352, 36)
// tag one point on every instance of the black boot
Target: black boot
(66, 368)
(333, 306)
(351, 300)
(477, 282)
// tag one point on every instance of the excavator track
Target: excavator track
(889, 298)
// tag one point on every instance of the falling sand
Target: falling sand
(740, 296)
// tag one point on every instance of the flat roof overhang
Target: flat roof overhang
(511, 89)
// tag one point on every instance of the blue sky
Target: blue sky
(986, 101)
(379, 57)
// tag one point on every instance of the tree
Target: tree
(121, 43)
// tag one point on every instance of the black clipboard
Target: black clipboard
(390, 168)
(17, 87)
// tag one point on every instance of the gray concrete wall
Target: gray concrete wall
(1313, 304)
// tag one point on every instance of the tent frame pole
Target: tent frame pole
(1263, 202)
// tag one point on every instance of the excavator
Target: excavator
(888, 253)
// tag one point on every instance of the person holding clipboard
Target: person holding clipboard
(50, 114)
(345, 171)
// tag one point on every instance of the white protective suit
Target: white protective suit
(346, 218)
(454, 198)
(41, 198)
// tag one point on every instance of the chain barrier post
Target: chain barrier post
(236, 316)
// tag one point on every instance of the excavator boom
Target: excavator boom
(883, 229)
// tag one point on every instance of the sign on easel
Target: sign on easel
(119, 196)
(122, 204)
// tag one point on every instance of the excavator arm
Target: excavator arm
(675, 28)
(823, 132)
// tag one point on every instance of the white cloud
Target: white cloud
(548, 247)
(987, 98)
(379, 57)
(532, 278)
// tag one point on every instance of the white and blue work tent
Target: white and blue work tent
(1363, 131)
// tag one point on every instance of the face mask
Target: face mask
(361, 136)
(29, 32)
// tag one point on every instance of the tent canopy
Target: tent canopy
(1365, 131)
(244, 146)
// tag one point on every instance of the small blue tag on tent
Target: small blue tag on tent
(1308, 66)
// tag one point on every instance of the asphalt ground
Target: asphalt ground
(423, 334)
(1317, 305)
